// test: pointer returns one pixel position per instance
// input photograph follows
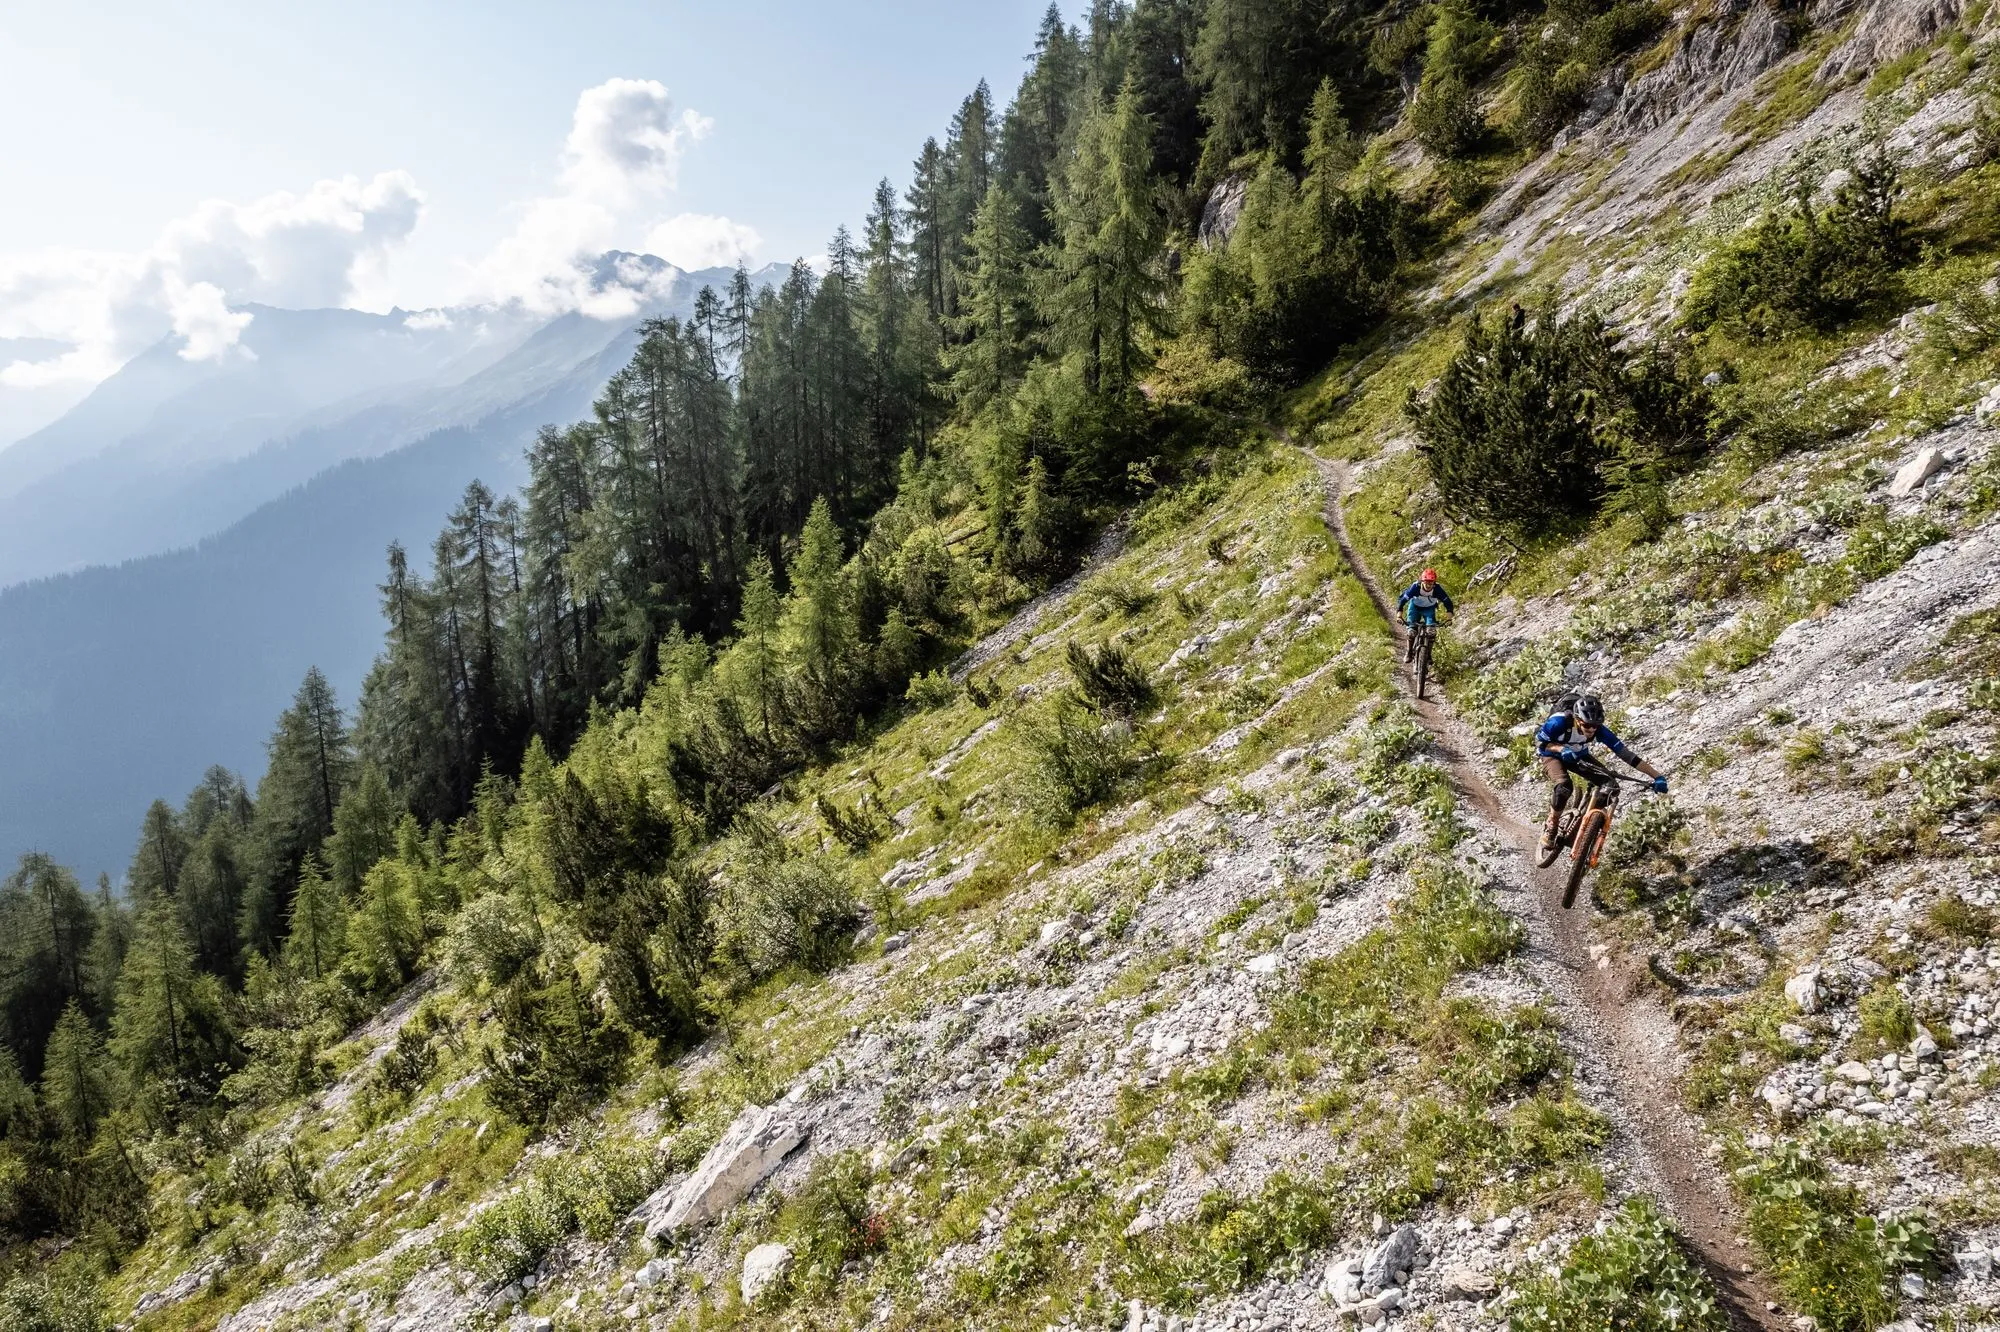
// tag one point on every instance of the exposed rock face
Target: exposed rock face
(1222, 211)
(1386, 1262)
(1888, 30)
(761, 1137)
(1714, 59)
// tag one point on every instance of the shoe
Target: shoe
(1550, 845)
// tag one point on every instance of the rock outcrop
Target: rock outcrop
(1888, 30)
(760, 1138)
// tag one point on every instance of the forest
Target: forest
(784, 515)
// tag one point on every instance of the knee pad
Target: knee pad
(1560, 793)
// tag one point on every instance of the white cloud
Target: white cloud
(621, 158)
(703, 240)
(285, 249)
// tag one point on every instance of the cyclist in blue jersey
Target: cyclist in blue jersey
(1419, 605)
(1564, 742)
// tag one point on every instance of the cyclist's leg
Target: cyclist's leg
(1560, 791)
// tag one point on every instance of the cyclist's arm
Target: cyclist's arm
(1617, 746)
(1444, 598)
(1404, 600)
(1548, 740)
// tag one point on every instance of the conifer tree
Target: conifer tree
(819, 623)
(213, 892)
(315, 944)
(170, 1035)
(75, 1088)
(364, 828)
(156, 863)
(45, 937)
(998, 307)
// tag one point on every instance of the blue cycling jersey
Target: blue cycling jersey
(1560, 732)
(1415, 602)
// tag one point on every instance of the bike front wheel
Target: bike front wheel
(1583, 853)
(1423, 665)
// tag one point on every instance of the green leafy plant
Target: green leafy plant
(587, 1191)
(1635, 1276)
(1109, 678)
(1076, 759)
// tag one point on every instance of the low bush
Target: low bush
(1539, 419)
(556, 1052)
(587, 1192)
(930, 691)
(829, 1222)
(1961, 922)
(782, 907)
(1075, 758)
(62, 1300)
(1635, 1275)
(1109, 678)
(1808, 265)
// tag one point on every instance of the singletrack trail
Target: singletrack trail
(1607, 997)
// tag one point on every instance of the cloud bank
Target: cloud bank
(619, 163)
(72, 317)
(292, 250)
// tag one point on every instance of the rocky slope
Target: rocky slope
(1289, 1034)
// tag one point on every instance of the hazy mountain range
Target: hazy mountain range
(181, 545)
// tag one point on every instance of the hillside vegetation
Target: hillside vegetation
(912, 818)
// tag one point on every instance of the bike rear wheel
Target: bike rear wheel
(1583, 852)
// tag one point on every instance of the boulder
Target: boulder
(760, 1138)
(1394, 1254)
(1927, 464)
(763, 1267)
(1803, 990)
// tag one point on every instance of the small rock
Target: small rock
(1141, 1224)
(763, 1266)
(1855, 1071)
(1974, 1264)
(1262, 965)
(1912, 1284)
(1791, 1033)
(1803, 990)
(1925, 1046)
(1385, 1260)
(1465, 1286)
(1054, 931)
(894, 943)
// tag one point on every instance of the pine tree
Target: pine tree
(170, 1035)
(111, 936)
(930, 248)
(384, 931)
(998, 309)
(75, 1088)
(156, 863)
(314, 946)
(364, 828)
(45, 937)
(755, 662)
(819, 624)
(213, 892)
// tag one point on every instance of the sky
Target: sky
(168, 165)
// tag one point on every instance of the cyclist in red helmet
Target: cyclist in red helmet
(1419, 604)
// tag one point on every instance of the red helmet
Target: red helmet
(1430, 576)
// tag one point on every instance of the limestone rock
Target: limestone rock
(1973, 1264)
(1803, 990)
(1464, 1286)
(761, 1137)
(1927, 464)
(1887, 30)
(763, 1267)
(1385, 1260)
(1220, 213)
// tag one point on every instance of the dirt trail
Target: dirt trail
(1634, 1038)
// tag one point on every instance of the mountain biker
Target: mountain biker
(1419, 604)
(1564, 742)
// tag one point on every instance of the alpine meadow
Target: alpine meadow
(926, 808)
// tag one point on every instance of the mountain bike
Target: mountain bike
(1586, 825)
(1423, 642)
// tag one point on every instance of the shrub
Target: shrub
(1445, 116)
(1808, 266)
(1635, 1276)
(1645, 831)
(1536, 420)
(782, 908)
(930, 691)
(588, 1191)
(62, 1300)
(1109, 678)
(1960, 921)
(829, 1222)
(490, 940)
(556, 1053)
(1075, 758)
